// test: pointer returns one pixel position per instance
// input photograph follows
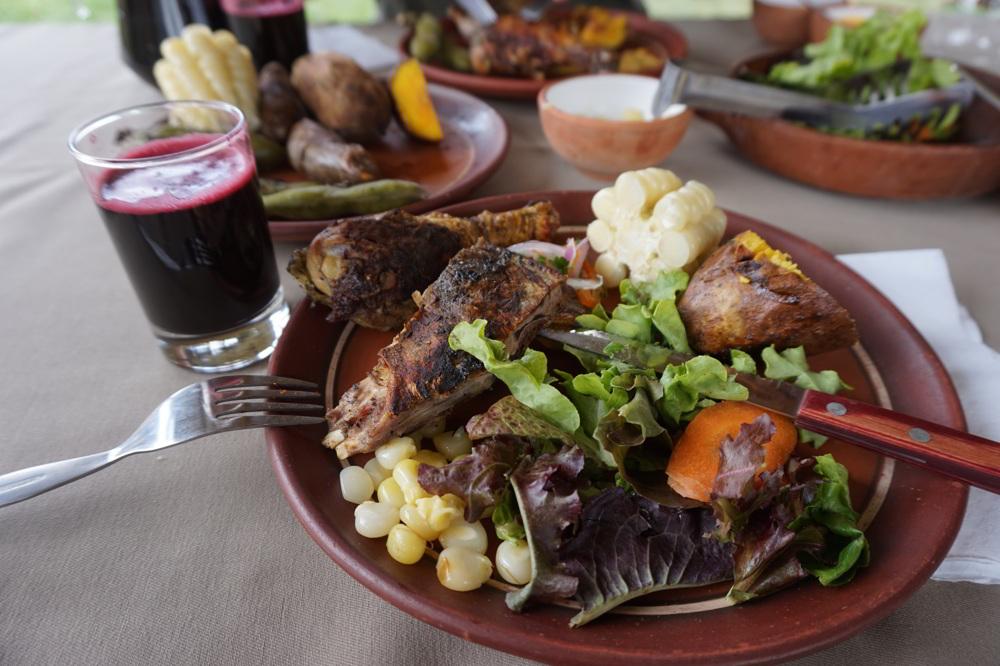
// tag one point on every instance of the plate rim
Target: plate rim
(299, 230)
(535, 646)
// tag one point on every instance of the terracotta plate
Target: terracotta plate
(475, 142)
(913, 515)
(661, 38)
(884, 169)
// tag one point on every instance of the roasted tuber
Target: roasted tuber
(343, 96)
(321, 155)
(413, 102)
(278, 105)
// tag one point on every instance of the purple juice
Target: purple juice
(271, 29)
(193, 236)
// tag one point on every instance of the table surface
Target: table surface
(192, 555)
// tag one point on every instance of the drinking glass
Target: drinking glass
(176, 185)
(271, 29)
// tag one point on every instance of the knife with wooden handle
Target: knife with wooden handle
(967, 458)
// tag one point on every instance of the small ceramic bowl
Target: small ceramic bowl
(850, 16)
(783, 23)
(589, 121)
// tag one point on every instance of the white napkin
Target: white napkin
(918, 283)
(370, 53)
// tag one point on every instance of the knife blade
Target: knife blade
(776, 396)
(968, 458)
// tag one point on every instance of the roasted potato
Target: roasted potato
(747, 295)
(321, 155)
(278, 104)
(342, 95)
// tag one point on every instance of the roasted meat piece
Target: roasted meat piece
(419, 377)
(367, 268)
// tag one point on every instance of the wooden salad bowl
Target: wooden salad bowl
(967, 166)
(911, 515)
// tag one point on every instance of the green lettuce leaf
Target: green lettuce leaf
(526, 377)
(547, 493)
(629, 546)
(742, 362)
(685, 385)
(507, 518)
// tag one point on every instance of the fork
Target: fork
(220, 404)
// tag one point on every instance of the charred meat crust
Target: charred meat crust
(418, 376)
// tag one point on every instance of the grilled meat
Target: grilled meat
(419, 377)
(367, 268)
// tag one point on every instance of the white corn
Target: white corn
(604, 205)
(355, 484)
(412, 518)
(610, 269)
(374, 519)
(461, 534)
(462, 570)
(601, 235)
(430, 457)
(514, 562)
(686, 206)
(678, 248)
(389, 493)
(377, 472)
(636, 192)
(452, 444)
(439, 512)
(396, 449)
(405, 473)
(461, 457)
(404, 545)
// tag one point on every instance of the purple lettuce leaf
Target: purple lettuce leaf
(794, 522)
(480, 478)
(547, 494)
(628, 546)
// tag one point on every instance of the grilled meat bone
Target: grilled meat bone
(419, 377)
(366, 269)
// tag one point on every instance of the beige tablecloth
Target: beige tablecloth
(193, 556)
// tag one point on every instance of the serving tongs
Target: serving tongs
(960, 455)
(719, 93)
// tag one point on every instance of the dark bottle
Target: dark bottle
(271, 29)
(143, 24)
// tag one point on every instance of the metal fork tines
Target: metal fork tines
(718, 93)
(220, 404)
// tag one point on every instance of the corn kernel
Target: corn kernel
(355, 484)
(461, 534)
(405, 473)
(462, 570)
(452, 444)
(374, 519)
(438, 512)
(514, 562)
(377, 472)
(461, 457)
(412, 517)
(404, 545)
(390, 493)
(396, 449)
(431, 458)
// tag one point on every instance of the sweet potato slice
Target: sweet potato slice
(413, 102)
(748, 295)
(694, 462)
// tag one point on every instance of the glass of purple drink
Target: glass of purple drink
(176, 185)
(271, 29)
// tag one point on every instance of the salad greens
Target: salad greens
(526, 377)
(574, 464)
(546, 490)
(645, 308)
(797, 522)
(857, 64)
(630, 546)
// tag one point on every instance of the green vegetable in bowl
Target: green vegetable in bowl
(858, 65)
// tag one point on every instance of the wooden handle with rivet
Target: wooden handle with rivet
(968, 458)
